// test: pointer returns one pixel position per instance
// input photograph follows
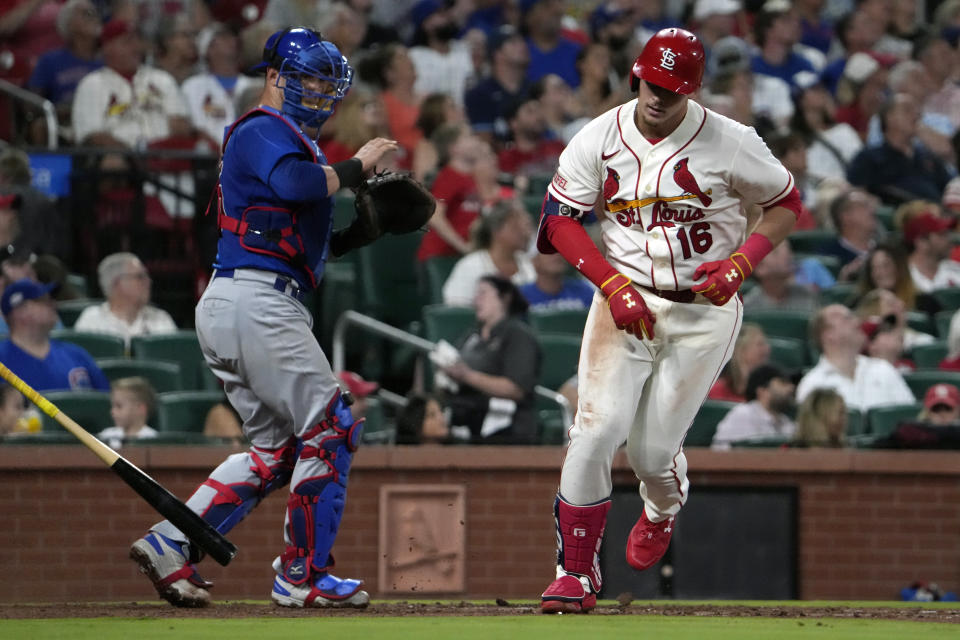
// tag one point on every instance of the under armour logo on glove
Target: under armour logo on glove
(724, 278)
(628, 309)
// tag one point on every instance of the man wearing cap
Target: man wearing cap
(926, 233)
(770, 394)
(44, 364)
(927, 236)
(941, 405)
(487, 102)
(127, 103)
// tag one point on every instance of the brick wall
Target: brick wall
(870, 521)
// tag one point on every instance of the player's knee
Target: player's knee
(650, 459)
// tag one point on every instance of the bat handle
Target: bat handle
(45, 405)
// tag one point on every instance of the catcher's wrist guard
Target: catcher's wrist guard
(349, 172)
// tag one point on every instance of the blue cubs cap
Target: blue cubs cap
(423, 10)
(22, 290)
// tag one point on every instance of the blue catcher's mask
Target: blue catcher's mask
(317, 78)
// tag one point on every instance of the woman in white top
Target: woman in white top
(831, 144)
(502, 236)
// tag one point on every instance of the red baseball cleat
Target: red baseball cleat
(567, 594)
(648, 542)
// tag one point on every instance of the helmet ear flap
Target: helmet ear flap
(634, 82)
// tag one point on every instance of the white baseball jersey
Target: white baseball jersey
(671, 206)
(135, 113)
(211, 107)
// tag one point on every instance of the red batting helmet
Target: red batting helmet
(672, 59)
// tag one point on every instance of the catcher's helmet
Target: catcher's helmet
(284, 44)
(672, 59)
(322, 61)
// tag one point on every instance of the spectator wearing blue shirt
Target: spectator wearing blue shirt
(550, 50)
(488, 101)
(44, 364)
(58, 72)
(777, 30)
(554, 289)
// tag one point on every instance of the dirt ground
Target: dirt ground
(229, 609)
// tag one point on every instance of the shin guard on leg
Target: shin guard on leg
(314, 511)
(579, 535)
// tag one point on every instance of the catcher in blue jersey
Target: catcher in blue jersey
(275, 213)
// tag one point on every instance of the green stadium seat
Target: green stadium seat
(437, 270)
(185, 411)
(163, 375)
(387, 280)
(560, 354)
(766, 442)
(568, 321)
(885, 216)
(705, 423)
(98, 345)
(538, 184)
(338, 293)
(553, 428)
(882, 421)
(856, 423)
(789, 353)
(343, 209)
(70, 310)
(840, 293)
(810, 241)
(949, 298)
(89, 409)
(181, 347)
(920, 321)
(942, 322)
(78, 282)
(452, 324)
(778, 323)
(172, 438)
(928, 356)
(921, 380)
(376, 428)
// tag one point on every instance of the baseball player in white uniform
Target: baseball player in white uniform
(671, 181)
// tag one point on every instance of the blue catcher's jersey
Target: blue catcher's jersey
(259, 228)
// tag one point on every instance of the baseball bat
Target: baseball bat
(198, 530)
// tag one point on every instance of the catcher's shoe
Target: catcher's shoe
(648, 542)
(568, 594)
(166, 562)
(320, 590)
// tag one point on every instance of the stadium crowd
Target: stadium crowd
(860, 100)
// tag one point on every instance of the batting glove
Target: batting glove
(725, 277)
(627, 307)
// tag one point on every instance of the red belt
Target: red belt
(684, 295)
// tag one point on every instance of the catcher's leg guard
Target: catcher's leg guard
(313, 516)
(579, 534)
(224, 499)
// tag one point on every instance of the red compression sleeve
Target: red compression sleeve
(570, 239)
(790, 201)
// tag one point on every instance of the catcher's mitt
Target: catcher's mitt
(400, 203)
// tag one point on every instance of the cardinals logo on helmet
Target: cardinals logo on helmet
(685, 180)
(611, 184)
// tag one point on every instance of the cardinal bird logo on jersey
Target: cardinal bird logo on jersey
(686, 181)
(611, 184)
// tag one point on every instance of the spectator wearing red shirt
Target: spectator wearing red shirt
(458, 203)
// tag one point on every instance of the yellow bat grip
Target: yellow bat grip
(45, 405)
